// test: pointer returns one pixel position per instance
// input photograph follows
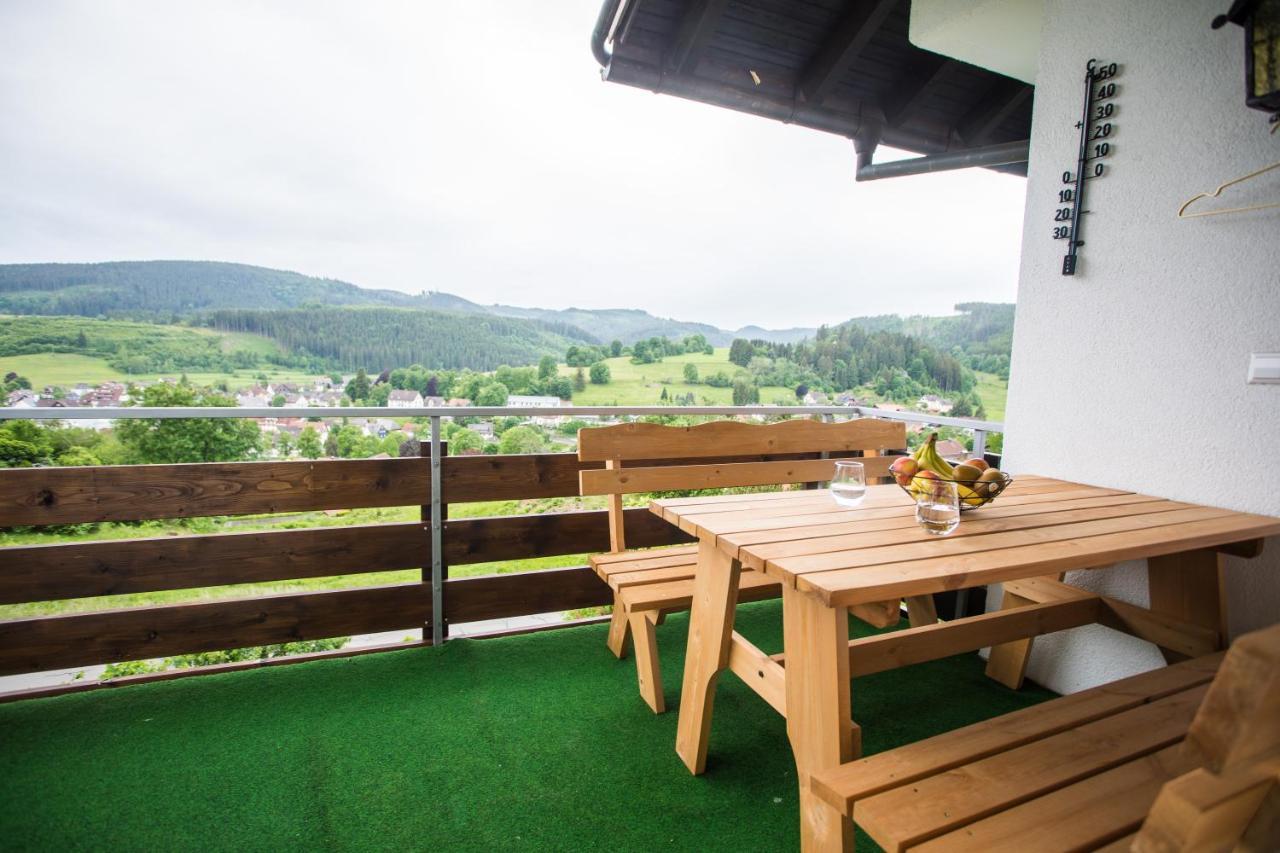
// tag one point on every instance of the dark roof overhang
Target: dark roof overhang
(839, 66)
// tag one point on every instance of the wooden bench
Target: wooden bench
(650, 583)
(1181, 758)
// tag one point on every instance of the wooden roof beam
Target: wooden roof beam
(841, 49)
(977, 125)
(693, 34)
(910, 92)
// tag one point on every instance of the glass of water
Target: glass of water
(849, 485)
(937, 506)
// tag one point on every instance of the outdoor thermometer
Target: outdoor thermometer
(1096, 126)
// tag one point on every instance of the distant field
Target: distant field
(642, 384)
(67, 369)
(994, 391)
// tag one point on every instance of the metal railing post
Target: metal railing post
(437, 545)
(979, 443)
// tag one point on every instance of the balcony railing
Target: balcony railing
(432, 481)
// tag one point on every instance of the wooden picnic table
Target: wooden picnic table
(833, 561)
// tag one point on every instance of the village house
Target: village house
(405, 399)
(934, 405)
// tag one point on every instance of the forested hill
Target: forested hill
(150, 289)
(981, 331)
(379, 338)
(173, 290)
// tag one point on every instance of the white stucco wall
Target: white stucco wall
(1132, 373)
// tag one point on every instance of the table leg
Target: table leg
(715, 594)
(818, 710)
(1189, 587)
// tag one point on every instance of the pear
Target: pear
(989, 483)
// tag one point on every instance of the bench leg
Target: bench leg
(715, 592)
(819, 727)
(920, 611)
(648, 668)
(1008, 661)
(618, 629)
(1188, 586)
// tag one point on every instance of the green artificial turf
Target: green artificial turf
(538, 742)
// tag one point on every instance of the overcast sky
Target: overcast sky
(466, 146)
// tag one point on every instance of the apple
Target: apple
(980, 464)
(903, 469)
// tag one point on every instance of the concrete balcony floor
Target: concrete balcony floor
(536, 742)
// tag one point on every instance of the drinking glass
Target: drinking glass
(937, 506)
(849, 485)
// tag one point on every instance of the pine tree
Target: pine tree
(580, 380)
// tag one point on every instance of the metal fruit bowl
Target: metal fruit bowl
(983, 493)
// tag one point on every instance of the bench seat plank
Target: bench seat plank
(1082, 816)
(682, 572)
(753, 586)
(844, 785)
(907, 815)
(600, 561)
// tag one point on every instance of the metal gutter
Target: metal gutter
(600, 35)
(1004, 154)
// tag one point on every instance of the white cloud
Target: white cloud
(460, 146)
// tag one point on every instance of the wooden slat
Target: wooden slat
(467, 479)
(976, 526)
(748, 539)
(693, 34)
(883, 652)
(845, 785)
(759, 671)
(939, 574)
(752, 586)
(842, 48)
(628, 560)
(877, 506)
(39, 496)
(1186, 639)
(902, 817)
(951, 546)
(1083, 816)
(523, 593)
(614, 481)
(52, 642)
(726, 438)
(514, 537)
(624, 580)
(117, 567)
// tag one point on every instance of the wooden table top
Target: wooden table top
(877, 552)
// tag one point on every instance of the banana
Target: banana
(928, 458)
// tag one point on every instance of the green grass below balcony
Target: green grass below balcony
(536, 742)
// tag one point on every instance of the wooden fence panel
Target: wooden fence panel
(51, 642)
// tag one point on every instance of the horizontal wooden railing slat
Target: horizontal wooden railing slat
(552, 534)
(51, 642)
(523, 593)
(39, 496)
(117, 567)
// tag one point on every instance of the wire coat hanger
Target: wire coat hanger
(1182, 211)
